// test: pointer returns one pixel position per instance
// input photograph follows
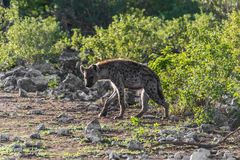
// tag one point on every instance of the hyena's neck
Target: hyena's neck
(103, 72)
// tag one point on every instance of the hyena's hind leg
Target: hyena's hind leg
(110, 99)
(155, 93)
(144, 103)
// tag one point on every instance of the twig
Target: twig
(203, 145)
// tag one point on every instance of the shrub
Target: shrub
(200, 74)
(31, 39)
(131, 36)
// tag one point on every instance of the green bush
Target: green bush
(31, 39)
(202, 72)
(131, 36)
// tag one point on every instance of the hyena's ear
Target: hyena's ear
(82, 69)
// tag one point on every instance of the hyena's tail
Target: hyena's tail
(163, 101)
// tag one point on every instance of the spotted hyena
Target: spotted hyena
(126, 74)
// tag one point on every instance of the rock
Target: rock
(33, 73)
(68, 60)
(41, 127)
(135, 145)
(44, 68)
(33, 145)
(191, 137)
(93, 125)
(18, 72)
(63, 132)
(72, 82)
(64, 118)
(83, 96)
(113, 156)
(4, 138)
(35, 136)
(22, 93)
(102, 87)
(132, 96)
(9, 89)
(167, 132)
(219, 118)
(200, 154)
(93, 131)
(26, 84)
(170, 138)
(94, 136)
(179, 155)
(40, 82)
(234, 121)
(174, 118)
(17, 148)
(37, 112)
(208, 128)
(228, 155)
(16, 138)
(10, 81)
(225, 128)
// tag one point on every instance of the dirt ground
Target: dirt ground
(19, 118)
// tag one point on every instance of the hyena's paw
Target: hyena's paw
(118, 117)
(102, 114)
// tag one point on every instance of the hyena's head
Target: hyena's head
(90, 75)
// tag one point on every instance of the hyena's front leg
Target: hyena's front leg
(121, 100)
(110, 99)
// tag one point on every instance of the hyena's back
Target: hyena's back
(134, 75)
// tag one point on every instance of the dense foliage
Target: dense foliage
(194, 46)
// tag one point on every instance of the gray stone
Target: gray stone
(225, 128)
(45, 68)
(200, 154)
(170, 138)
(4, 138)
(41, 127)
(26, 84)
(64, 118)
(33, 73)
(68, 60)
(35, 136)
(40, 82)
(219, 118)
(93, 125)
(37, 112)
(179, 155)
(73, 83)
(132, 96)
(228, 155)
(113, 156)
(17, 148)
(18, 72)
(208, 128)
(22, 93)
(10, 81)
(134, 145)
(63, 132)
(33, 145)
(167, 132)
(174, 118)
(94, 136)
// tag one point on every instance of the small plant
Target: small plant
(53, 83)
(202, 115)
(135, 121)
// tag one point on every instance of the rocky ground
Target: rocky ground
(37, 127)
